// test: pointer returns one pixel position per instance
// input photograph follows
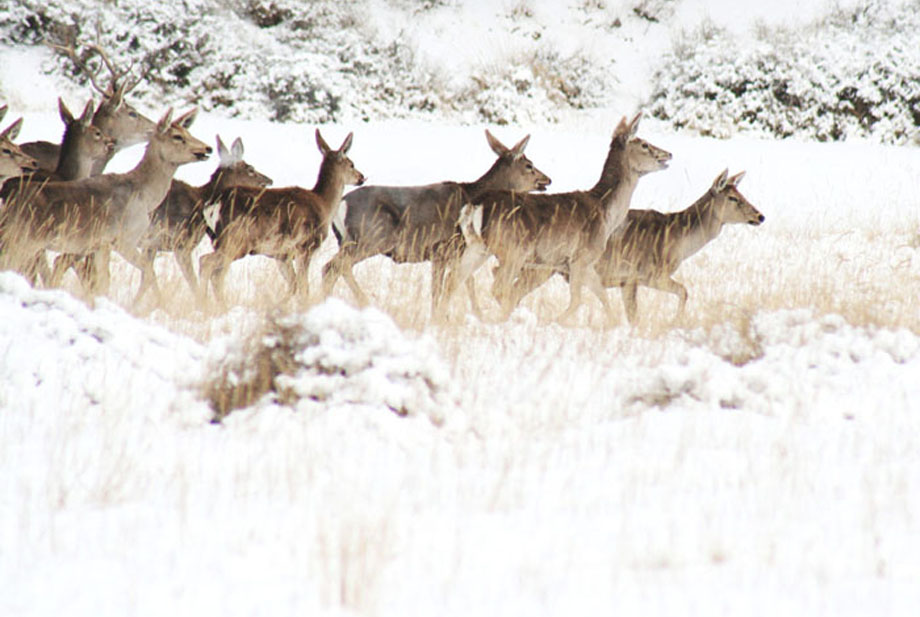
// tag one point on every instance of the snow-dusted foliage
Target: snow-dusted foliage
(855, 73)
(329, 357)
(318, 61)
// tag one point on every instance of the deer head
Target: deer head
(336, 162)
(513, 171)
(642, 157)
(172, 142)
(233, 170)
(13, 161)
(729, 205)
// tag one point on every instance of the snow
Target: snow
(759, 455)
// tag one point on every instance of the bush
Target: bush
(853, 75)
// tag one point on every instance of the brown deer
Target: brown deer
(412, 224)
(13, 161)
(651, 245)
(178, 224)
(100, 213)
(288, 224)
(114, 117)
(535, 235)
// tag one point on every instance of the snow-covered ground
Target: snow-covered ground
(760, 455)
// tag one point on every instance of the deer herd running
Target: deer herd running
(55, 199)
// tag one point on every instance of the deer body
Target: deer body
(650, 247)
(411, 224)
(288, 224)
(178, 224)
(96, 214)
(534, 235)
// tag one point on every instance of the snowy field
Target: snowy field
(759, 455)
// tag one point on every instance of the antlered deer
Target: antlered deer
(114, 117)
(97, 214)
(178, 224)
(287, 224)
(535, 235)
(651, 245)
(419, 223)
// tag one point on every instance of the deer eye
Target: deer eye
(178, 138)
(7, 151)
(132, 114)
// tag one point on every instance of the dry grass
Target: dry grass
(871, 279)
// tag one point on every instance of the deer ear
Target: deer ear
(187, 119)
(634, 124)
(346, 145)
(721, 181)
(734, 180)
(518, 148)
(66, 116)
(87, 118)
(165, 122)
(222, 153)
(621, 132)
(321, 144)
(236, 149)
(12, 131)
(497, 147)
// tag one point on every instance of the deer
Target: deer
(411, 224)
(13, 161)
(178, 224)
(114, 117)
(82, 145)
(534, 235)
(649, 248)
(95, 215)
(288, 224)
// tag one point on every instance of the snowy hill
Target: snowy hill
(828, 71)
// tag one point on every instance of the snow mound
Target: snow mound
(786, 362)
(58, 353)
(333, 356)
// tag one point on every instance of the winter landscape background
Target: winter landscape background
(758, 455)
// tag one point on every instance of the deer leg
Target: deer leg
(576, 280)
(148, 276)
(184, 259)
(287, 272)
(593, 281)
(462, 271)
(528, 280)
(630, 301)
(502, 285)
(671, 286)
(212, 268)
(147, 257)
(36, 269)
(341, 265)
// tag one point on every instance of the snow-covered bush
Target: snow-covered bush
(332, 356)
(317, 61)
(853, 74)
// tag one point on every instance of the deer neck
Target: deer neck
(152, 178)
(489, 181)
(72, 165)
(615, 187)
(208, 192)
(330, 185)
(698, 226)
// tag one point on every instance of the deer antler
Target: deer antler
(112, 90)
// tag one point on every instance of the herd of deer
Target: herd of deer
(56, 198)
